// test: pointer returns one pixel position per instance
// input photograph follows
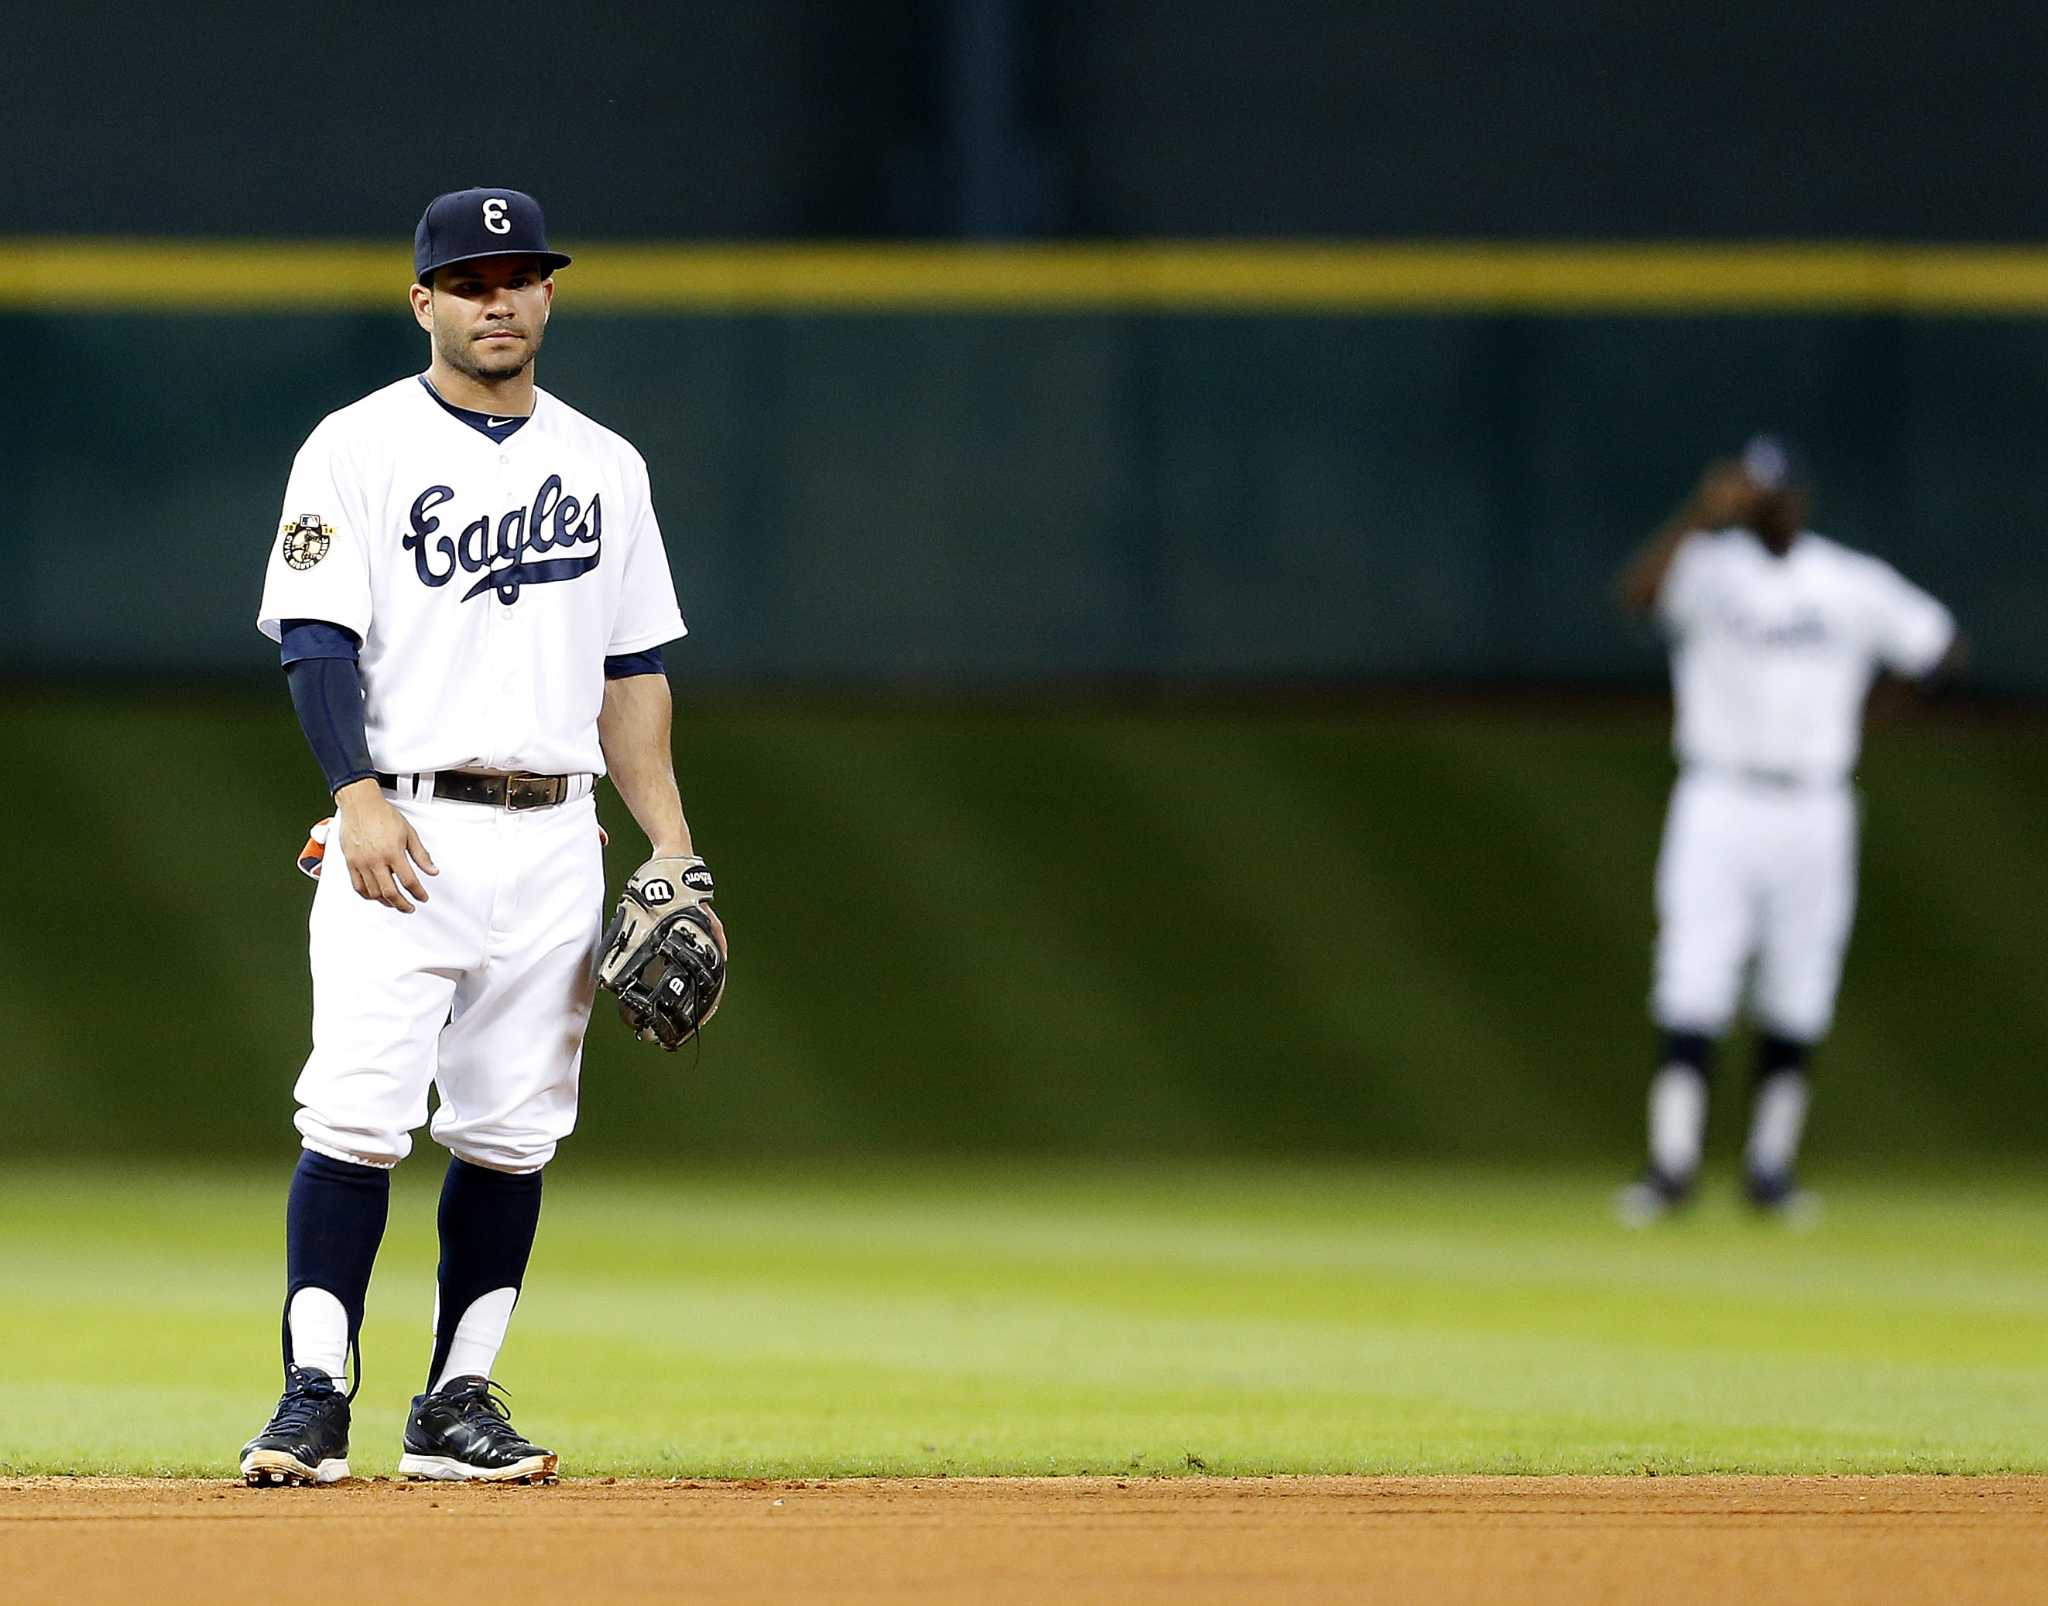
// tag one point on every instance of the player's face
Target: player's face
(1780, 516)
(486, 317)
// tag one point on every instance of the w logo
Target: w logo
(658, 891)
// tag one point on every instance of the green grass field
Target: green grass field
(1145, 1320)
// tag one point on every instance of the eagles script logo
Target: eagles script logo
(306, 540)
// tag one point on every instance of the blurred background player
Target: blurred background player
(1776, 635)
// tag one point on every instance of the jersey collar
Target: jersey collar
(1799, 541)
(488, 425)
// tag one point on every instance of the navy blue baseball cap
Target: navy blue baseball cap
(1774, 463)
(468, 224)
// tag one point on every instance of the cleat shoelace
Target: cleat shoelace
(484, 1405)
(305, 1395)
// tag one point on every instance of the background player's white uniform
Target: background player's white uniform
(489, 579)
(1771, 660)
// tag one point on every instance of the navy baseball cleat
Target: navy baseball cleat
(464, 1431)
(1651, 1197)
(1779, 1195)
(306, 1439)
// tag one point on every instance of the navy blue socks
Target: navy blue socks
(333, 1222)
(488, 1219)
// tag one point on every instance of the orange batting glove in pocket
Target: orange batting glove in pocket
(315, 850)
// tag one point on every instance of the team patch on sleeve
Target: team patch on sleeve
(307, 539)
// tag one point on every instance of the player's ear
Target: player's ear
(547, 293)
(423, 307)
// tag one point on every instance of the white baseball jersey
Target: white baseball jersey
(488, 579)
(1772, 657)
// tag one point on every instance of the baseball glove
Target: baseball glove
(660, 953)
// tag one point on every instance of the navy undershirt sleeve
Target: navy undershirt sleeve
(315, 638)
(633, 663)
(327, 692)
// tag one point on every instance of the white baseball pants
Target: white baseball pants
(483, 991)
(1753, 874)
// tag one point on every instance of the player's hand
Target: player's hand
(384, 854)
(1726, 496)
(667, 849)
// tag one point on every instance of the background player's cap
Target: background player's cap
(1774, 464)
(467, 224)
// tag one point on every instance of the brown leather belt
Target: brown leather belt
(515, 792)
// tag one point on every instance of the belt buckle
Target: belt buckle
(533, 791)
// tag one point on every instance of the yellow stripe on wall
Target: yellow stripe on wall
(52, 274)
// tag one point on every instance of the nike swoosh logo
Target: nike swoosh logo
(496, 423)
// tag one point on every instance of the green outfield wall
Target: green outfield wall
(1341, 929)
(954, 467)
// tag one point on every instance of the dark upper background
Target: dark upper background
(1019, 496)
(904, 118)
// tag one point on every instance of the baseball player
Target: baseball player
(1776, 637)
(470, 596)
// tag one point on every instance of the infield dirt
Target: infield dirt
(1065, 1539)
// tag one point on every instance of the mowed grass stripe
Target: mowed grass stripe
(1338, 929)
(1030, 1319)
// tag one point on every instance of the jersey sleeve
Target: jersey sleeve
(1910, 631)
(647, 614)
(319, 556)
(1682, 598)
